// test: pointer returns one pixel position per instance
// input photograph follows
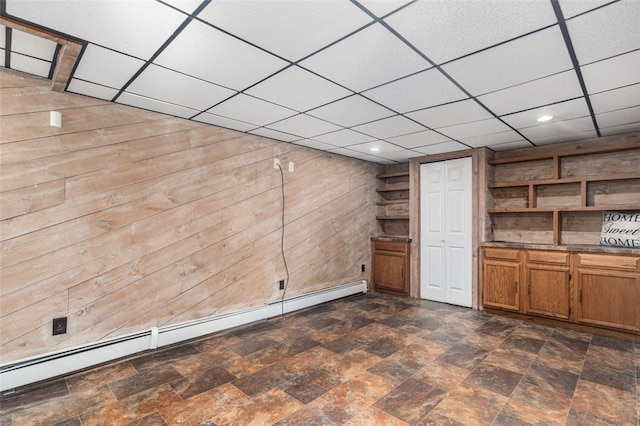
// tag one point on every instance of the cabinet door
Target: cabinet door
(609, 298)
(547, 291)
(389, 271)
(500, 285)
(391, 266)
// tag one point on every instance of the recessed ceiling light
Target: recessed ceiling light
(375, 149)
(545, 118)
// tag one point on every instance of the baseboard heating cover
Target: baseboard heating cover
(34, 369)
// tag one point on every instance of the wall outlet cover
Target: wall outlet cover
(59, 326)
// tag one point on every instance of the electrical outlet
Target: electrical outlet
(281, 284)
(362, 267)
(276, 163)
(291, 166)
(59, 326)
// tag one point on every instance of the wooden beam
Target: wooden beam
(67, 57)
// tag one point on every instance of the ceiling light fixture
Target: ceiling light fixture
(545, 118)
(375, 149)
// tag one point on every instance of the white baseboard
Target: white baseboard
(34, 369)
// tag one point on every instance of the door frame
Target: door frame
(480, 225)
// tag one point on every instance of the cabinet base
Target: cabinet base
(623, 335)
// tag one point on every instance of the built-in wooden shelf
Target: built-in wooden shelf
(394, 187)
(564, 180)
(564, 209)
(573, 153)
(397, 217)
(556, 197)
(392, 175)
(393, 201)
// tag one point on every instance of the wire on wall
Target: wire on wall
(284, 259)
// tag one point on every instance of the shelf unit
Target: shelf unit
(393, 201)
(558, 198)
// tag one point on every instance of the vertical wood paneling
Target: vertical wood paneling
(125, 219)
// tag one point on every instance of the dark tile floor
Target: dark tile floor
(365, 360)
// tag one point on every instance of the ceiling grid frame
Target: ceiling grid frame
(497, 131)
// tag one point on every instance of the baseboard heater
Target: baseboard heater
(54, 364)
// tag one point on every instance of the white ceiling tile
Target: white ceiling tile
(606, 32)
(225, 60)
(138, 27)
(381, 8)
(610, 100)
(493, 139)
(555, 129)
(251, 110)
(304, 126)
(561, 112)
(619, 117)
(510, 145)
(31, 45)
(155, 105)
(402, 156)
(290, 29)
(272, 134)
(444, 30)
(528, 58)
(612, 73)
(344, 151)
(390, 127)
(381, 147)
(30, 65)
(575, 7)
(310, 143)
(89, 89)
(106, 67)
(229, 123)
(567, 137)
(450, 114)
(298, 89)
(170, 86)
(373, 56)
(475, 128)
(343, 138)
(418, 91)
(375, 159)
(441, 148)
(625, 128)
(544, 91)
(413, 140)
(188, 6)
(351, 111)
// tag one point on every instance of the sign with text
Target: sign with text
(620, 229)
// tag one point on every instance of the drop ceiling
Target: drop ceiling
(404, 78)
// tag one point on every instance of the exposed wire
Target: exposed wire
(284, 259)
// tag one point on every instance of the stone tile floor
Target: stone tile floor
(365, 360)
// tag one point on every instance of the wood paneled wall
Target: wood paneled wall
(125, 219)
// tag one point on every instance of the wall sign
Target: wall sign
(620, 229)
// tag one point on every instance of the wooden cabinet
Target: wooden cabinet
(608, 291)
(547, 279)
(501, 275)
(390, 264)
(393, 201)
(590, 288)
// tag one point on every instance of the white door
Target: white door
(445, 231)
